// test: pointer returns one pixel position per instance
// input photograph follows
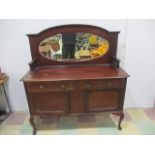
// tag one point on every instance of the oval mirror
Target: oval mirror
(74, 47)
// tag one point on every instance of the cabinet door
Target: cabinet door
(102, 100)
(50, 103)
(77, 101)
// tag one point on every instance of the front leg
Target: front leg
(32, 122)
(121, 117)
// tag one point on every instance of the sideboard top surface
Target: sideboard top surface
(73, 73)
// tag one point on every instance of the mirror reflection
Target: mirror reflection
(74, 46)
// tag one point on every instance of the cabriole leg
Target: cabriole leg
(32, 122)
(121, 117)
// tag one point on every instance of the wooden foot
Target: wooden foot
(32, 122)
(121, 115)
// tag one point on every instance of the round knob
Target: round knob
(88, 85)
(109, 84)
(41, 87)
(63, 86)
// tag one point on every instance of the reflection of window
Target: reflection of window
(92, 39)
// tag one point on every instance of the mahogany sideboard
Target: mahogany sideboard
(82, 86)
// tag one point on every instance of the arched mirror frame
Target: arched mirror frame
(35, 40)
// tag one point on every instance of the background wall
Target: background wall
(136, 49)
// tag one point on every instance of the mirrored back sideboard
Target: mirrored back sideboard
(74, 71)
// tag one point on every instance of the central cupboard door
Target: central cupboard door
(77, 102)
(50, 103)
(102, 100)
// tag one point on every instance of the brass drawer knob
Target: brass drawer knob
(63, 86)
(88, 85)
(109, 84)
(41, 86)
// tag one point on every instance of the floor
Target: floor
(136, 122)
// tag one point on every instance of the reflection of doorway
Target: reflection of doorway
(68, 47)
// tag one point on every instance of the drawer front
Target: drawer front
(50, 86)
(100, 84)
(75, 85)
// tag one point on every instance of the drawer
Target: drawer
(50, 86)
(100, 84)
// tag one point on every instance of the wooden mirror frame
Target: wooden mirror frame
(109, 58)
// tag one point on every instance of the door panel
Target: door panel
(50, 103)
(77, 103)
(102, 100)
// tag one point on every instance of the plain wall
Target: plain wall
(136, 49)
(140, 63)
